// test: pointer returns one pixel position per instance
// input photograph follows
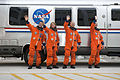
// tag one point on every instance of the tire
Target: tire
(26, 55)
(43, 56)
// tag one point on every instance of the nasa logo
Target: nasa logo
(37, 15)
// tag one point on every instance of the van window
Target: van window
(16, 15)
(85, 16)
(115, 13)
(60, 15)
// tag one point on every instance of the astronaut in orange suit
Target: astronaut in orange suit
(37, 43)
(96, 44)
(72, 38)
(52, 45)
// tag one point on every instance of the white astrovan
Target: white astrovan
(15, 35)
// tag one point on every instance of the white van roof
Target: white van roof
(60, 2)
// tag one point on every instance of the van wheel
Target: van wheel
(26, 55)
(43, 56)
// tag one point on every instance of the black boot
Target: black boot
(72, 66)
(29, 67)
(49, 67)
(54, 66)
(90, 66)
(65, 66)
(38, 67)
(96, 66)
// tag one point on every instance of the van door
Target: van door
(113, 26)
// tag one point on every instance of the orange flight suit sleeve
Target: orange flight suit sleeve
(101, 38)
(29, 26)
(92, 26)
(66, 25)
(46, 28)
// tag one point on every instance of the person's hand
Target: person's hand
(78, 46)
(96, 18)
(26, 18)
(43, 47)
(58, 47)
(68, 17)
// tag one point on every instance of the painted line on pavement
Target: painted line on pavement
(57, 73)
(117, 73)
(61, 76)
(17, 76)
(39, 76)
(84, 76)
(106, 76)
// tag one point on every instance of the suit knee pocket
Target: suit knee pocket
(67, 54)
(92, 56)
(49, 52)
(31, 55)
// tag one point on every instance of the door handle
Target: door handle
(109, 25)
(104, 24)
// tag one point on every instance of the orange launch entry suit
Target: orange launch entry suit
(96, 44)
(72, 38)
(37, 39)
